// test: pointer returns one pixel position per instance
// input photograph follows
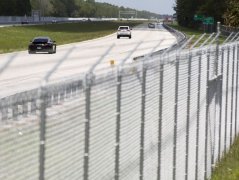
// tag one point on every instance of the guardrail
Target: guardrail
(25, 103)
(42, 20)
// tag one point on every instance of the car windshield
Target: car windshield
(122, 28)
(40, 40)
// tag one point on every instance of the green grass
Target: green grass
(17, 38)
(190, 32)
(228, 167)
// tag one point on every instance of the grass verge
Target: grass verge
(17, 38)
(190, 32)
(228, 167)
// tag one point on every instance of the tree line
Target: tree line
(67, 8)
(225, 11)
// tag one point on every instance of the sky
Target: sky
(156, 6)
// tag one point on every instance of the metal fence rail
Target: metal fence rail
(165, 117)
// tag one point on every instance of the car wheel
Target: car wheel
(129, 37)
(118, 37)
(55, 50)
(30, 52)
(52, 51)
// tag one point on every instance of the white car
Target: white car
(124, 31)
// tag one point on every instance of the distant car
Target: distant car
(124, 31)
(42, 44)
(53, 21)
(25, 22)
(151, 25)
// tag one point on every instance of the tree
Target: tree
(15, 7)
(44, 6)
(213, 8)
(7, 7)
(186, 10)
(23, 7)
(88, 9)
(231, 15)
(63, 8)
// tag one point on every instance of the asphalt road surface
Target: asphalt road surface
(21, 71)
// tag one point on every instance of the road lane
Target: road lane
(21, 71)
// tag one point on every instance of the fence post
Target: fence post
(118, 125)
(198, 114)
(43, 106)
(62, 93)
(236, 90)
(232, 89)
(4, 109)
(87, 124)
(225, 137)
(217, 49)
(175, 117)
(56, 97)
(144, 70)
(207, 117)
(160, 117)
(25, 108)
(15, 110)
(220, 113)
(33, 106)
(188, 115)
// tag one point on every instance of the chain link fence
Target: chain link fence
(169, 116)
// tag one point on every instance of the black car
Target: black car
(42, 44)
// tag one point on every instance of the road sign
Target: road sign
(198, 17)
(208, 20)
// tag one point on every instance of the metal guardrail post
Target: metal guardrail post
(49, 99)
(118, 126)
(160, 117)
(25, 108)
(62, 94)
(87, 125)
(175, 118)
(232, 93)
(142, 134)
(220, 110)
(55, 98)
(198, 115)
(207, 117)
(237, 81)
(33, 106)
(226, 106)
(188, 115)
(43, 106)
(4, 109)
(15, 111)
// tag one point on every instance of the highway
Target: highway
(21, 71)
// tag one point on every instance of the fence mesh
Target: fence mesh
(164, 117)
